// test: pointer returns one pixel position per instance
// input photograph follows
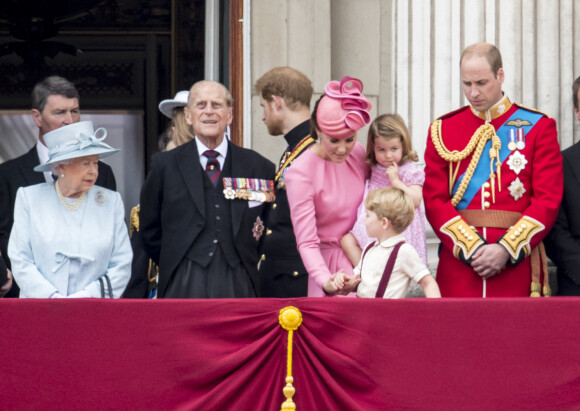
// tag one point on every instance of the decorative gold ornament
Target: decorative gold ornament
(518, 123)
(290, 319)
(134, 219)
(535, 289)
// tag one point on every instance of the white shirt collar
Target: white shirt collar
(391, 242)
(42, 152)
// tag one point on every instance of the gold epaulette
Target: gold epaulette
(518, 237)
(532, 110)
(465, 238)
(134, 219)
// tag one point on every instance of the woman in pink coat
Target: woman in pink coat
(325, 185)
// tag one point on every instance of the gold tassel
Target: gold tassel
(494, 155)
(535, 288)
(134, 219)
(546, 289)
(290, 319)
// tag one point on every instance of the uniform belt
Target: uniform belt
(490, 218)
(506, 219)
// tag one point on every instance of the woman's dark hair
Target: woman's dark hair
(313, 121)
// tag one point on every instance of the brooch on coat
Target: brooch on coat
(100, 199)
(258, 229)
(250, 189)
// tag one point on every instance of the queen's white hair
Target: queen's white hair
(54, 166)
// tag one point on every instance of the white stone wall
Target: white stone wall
(407, 52)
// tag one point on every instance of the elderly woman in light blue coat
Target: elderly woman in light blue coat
(69, 238)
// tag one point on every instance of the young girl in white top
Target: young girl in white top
(391, 156)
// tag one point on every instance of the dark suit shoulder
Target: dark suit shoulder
(188, 149)
(30, 158)
(106, 177)
(252, 156)
(104, 166)
(572, 152)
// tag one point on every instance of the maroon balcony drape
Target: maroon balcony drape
(348, 354)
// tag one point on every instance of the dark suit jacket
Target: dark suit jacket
(563, 242)
(282, 273)
(173, 207)
(19, 172)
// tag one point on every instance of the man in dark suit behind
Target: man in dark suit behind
(285, 95)
(202, 206)
(563, 242)
(55, 103)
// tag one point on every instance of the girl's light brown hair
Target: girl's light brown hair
(390, 126)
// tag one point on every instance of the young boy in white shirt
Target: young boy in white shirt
(389, 211)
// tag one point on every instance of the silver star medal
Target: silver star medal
(517, 189)
(517, 162)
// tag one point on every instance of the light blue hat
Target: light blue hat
(75, 140)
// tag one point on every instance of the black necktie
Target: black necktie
(212, 168)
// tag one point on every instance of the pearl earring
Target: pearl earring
(62, 176)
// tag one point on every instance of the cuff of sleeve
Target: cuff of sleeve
(465, 238)
(518, 237)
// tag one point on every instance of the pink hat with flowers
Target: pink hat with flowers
(344, 109)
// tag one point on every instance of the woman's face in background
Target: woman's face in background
(335, 149)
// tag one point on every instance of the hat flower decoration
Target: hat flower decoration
(344, 109)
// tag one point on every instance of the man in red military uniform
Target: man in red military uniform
(503, 166)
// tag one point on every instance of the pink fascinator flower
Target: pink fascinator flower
(344, 109)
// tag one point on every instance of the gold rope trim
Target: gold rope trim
(305, 142)
(290, 319)
(476, 144)
(134, 219)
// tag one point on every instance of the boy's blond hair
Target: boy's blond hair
(393, 204)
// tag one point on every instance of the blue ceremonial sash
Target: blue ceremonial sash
(482, 170)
